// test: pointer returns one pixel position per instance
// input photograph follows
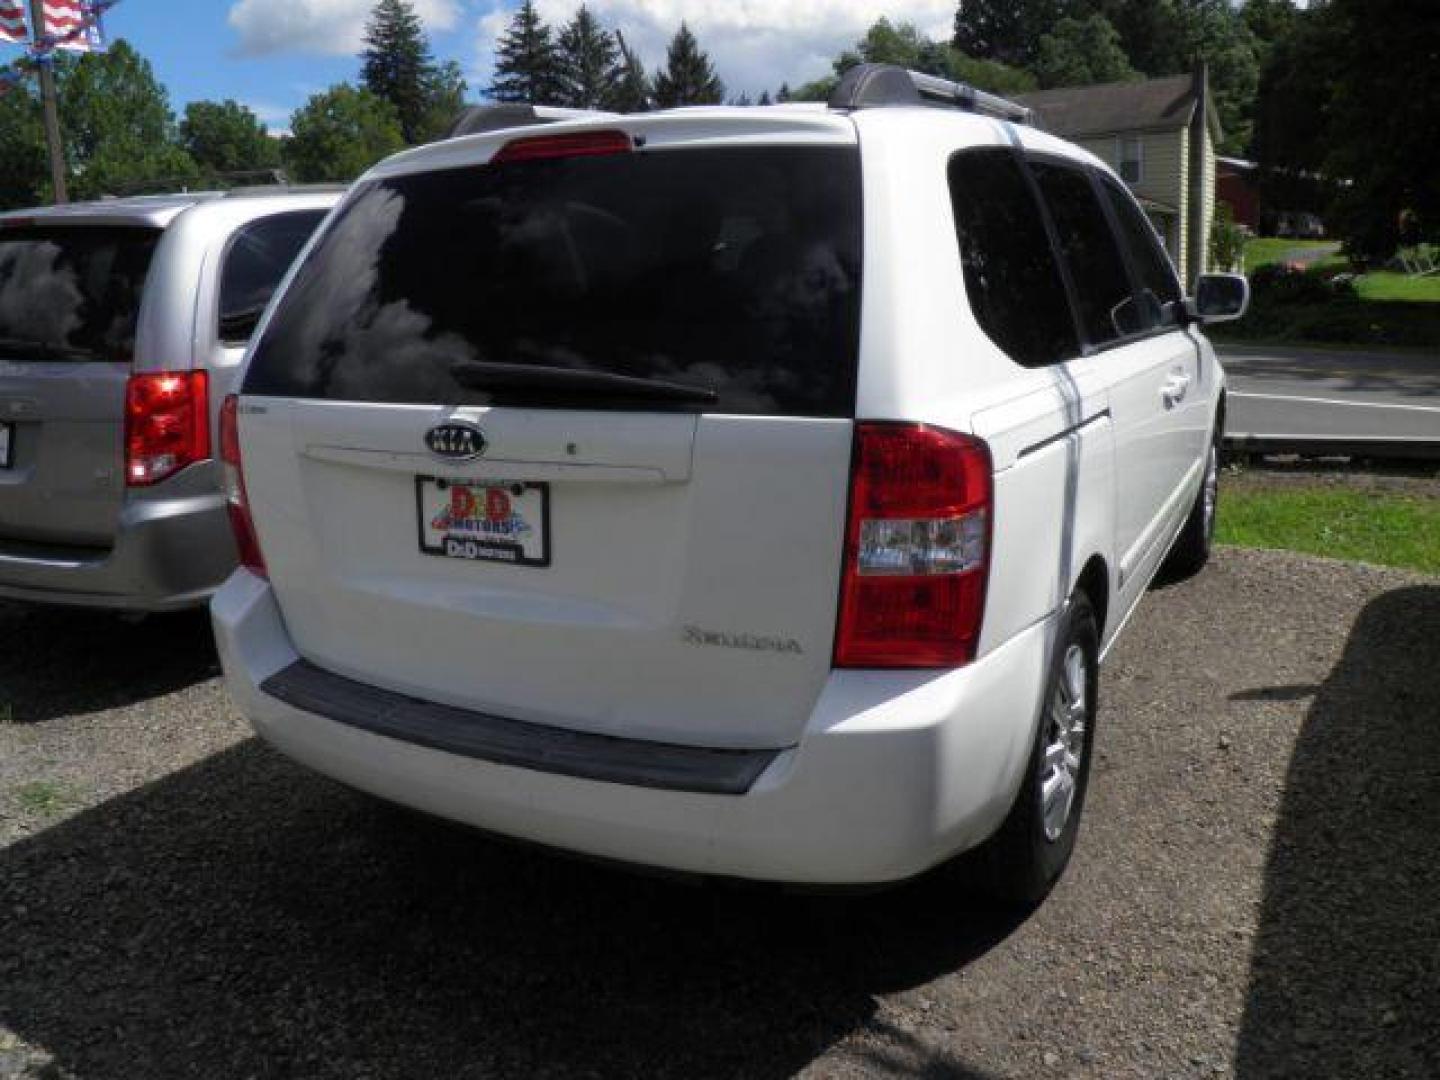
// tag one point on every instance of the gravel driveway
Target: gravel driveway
(1255, 891)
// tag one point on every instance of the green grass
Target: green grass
(1271, 249)
(1384, 528)
(44, 798)
(1384, 285)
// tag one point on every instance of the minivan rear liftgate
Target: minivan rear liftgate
(566, 437)
(69, 298)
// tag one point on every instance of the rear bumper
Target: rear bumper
(896, 771)
(168, 554)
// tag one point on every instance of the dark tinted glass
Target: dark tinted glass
(1159, 288)
(737, 270)
(1014, 286)
(1102, 286)
(256, 260)
(72, 293)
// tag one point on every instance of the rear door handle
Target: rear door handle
(1174, 389)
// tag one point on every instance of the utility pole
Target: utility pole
(45, 66)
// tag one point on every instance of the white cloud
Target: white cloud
(755, 44)
(334, 27)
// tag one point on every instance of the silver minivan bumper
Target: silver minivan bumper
(168, 554)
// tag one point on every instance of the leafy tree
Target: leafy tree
(527, 66)
(1079, 52)
(1151, 31)
(119, 131)
(338, 134)
(225, 136)
(1005, 30)
(1214, 32)
(24, 176)
(446, 99)
(397, 65)
(1382, 116)
(1270, 20)
(631, 92)
(905, 45)
(589, 62)
(688, 78)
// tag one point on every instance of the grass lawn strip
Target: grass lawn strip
(1355, 522)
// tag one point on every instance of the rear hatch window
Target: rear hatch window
(71, 293)
(732, 270)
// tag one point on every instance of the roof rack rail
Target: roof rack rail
(251, 191)
(475, 119)
(869, 86)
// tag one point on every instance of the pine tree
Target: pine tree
(589, 63)
(689, 78)
(397, 65)
(765, 98)
(527, 67)
(632, 90)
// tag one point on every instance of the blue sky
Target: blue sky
(273, 54)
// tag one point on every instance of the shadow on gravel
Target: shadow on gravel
(1346, 973)
(62, 661)
(244, 919)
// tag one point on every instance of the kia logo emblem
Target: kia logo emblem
(456, 441)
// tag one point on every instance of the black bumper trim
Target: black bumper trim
(637, 762)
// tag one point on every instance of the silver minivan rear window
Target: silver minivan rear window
(72, 292)
(734, 272)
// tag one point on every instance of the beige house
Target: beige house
(1160, 136)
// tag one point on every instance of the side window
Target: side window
(1132, 158)
(1011, 278)
(1108, 310)
(256, 259)
(1159, 288)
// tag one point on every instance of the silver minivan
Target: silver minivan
(122, 323)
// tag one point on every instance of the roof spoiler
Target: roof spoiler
(869, 86)
(477, 119)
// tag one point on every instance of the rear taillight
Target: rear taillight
(917, 548)
(565, 145)
(167, 424)
(237, 502)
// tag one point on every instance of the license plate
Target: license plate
(487, 521)
(7, 433)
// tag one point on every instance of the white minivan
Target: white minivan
(744, 491)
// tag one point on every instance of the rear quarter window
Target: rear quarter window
(1011, 278)
(72, 293)
(736, 270)
(256, 258)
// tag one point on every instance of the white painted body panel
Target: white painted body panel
(894, 772)
(884, 773)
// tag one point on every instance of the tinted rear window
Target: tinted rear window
(71, 293)
(737, 270)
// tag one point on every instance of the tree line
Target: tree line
(1347, 89)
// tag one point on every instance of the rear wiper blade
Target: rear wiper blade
(480, 375)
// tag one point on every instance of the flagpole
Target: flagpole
(46, 65)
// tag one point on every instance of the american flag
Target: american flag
(73, 24)
(12, 21)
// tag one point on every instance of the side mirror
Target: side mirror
(1218, 298)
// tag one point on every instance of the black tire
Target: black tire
(1022, 862)
(1191, 550)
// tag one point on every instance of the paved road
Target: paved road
(1254, 893)
(1315, 393)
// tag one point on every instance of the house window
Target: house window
(1132, 158)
